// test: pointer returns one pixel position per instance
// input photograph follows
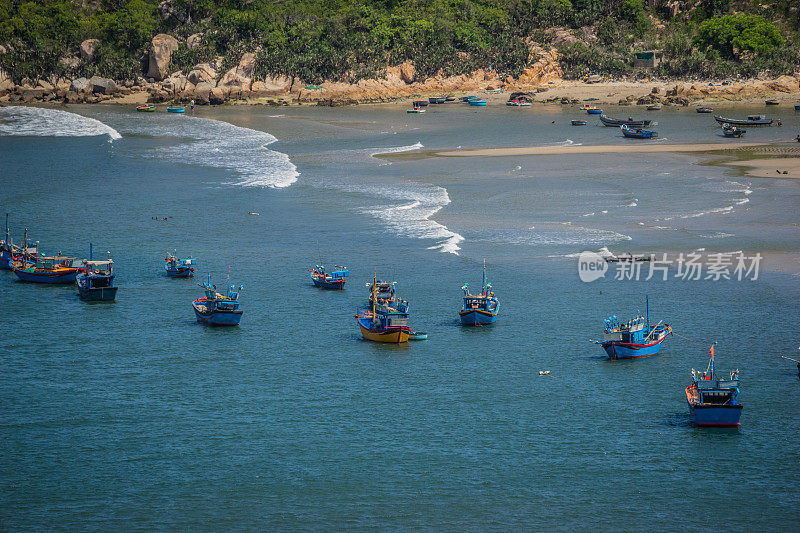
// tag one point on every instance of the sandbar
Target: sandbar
(771, 168)
(641, 148)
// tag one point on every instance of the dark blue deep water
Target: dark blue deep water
(131, 415)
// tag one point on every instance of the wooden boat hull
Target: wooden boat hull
(579, 122)
(335, 285)
(216, 317)
(179, 110)
(391, 335)
(626, 350)
(477, 317)
(615, 122)
(739, 122)
(55, 278)
(97, 294)
(184, 272)
(712, 415)
(477, 103)
(594, 111)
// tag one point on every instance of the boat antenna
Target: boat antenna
(6, 228)
(647, 300)
(374, 282)
(484, 276)
(90, 251)
(25, 244)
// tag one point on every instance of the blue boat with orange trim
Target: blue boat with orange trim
(217, 309)
(714, 400)
(387, 318)
(479, 309)
(634, 339)
(334, 280)
(58, 270)
(179, 268)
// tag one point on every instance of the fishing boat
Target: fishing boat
(466, 99)
(752, 120)
(479, 309)
(56, 269)
(415, 110)
(732, 131)
(616, 122)
(437, 99)
(591, 110)
(449, 98)
(10, 252)
(478, 103)
(146, 108)
(519, 103)
(417, 336)
(634, 339)
(797, 107)
(772, 102)
(714, 400)
(579, 122)
(176, 109)
(179, 268)
(419, 103)
(654, 107)
(96, 283)
(638, 133)
(217, 309)
(705, 109)
(334, 280)
(387, 318)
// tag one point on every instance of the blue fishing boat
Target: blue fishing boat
(437, 100)
(466, 99)
(634, 339)
(96, 283)
(387, 318)
(637, 133)
(176, 109)
(334, 280)
(714, 400)
(797, 107)
(217, 309)
(10, 252)
(58, 270)
(478, 103)
(179, 268)
(591, 110)
(479, 309)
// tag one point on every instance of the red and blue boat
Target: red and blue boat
(387, 318)
(179, 268)
(635, 338)
(9, 252)
(479, 309)
(334, 280)
(217, 309)
(714, 400)
(637, 133)
(58, 270)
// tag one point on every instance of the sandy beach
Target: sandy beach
(779, 167)
(598, 149)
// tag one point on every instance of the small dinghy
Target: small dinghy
(705, 109)
(579, 122)
(478, 103)
(147, 108)
(176, 109)
(772, 102)
(417, 336)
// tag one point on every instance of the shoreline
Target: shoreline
(597, 149)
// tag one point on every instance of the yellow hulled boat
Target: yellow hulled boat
(387, 319)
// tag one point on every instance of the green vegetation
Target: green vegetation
(348, 40)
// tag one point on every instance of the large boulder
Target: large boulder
(175, 83)
(407, 72)
(194, 40)
(80, 85)
(272, 86)
(202, 73)
(102, 85)
(217, 96)
(72, 97)
(160, 56)
(202, 92)
(88, 48)
(241, 75)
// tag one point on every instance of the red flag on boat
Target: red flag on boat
(711, 350)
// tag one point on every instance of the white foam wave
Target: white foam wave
(412, 218)
(726, 209)
(632, 204)
(395, 149)
(562, 234)
(742, 201)
(213, 143)
(716, 235)
(43, 122)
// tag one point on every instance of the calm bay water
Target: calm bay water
(131, 415)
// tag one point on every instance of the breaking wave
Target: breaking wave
(42, 122)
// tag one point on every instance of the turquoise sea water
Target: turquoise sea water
(133, 416)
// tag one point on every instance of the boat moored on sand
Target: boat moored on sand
(616, 122)
(752, 120)
(635, 338)
(714, 400)
(217, 309)
(479, 309)
(638, 133)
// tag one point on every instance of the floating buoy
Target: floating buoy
(544, 372)
(252, 213)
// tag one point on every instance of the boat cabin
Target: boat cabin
(711, 390)
(100, 273)
(632, 331)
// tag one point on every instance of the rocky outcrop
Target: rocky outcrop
(194, 40)
(239, 79)
(407, 72)
(272, 86)
(100, 85)
(80, 85)
(202, 73)
(88, 48)
(543, 67)
(160, 56)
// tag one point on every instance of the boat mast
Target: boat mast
(647, 300)
(25, 249)
(90, 252)
(484, 276)
(374, 296)
(6, 228)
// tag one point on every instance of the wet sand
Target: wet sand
(642, 147)
(780, 167)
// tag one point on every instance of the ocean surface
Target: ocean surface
(132, 416)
